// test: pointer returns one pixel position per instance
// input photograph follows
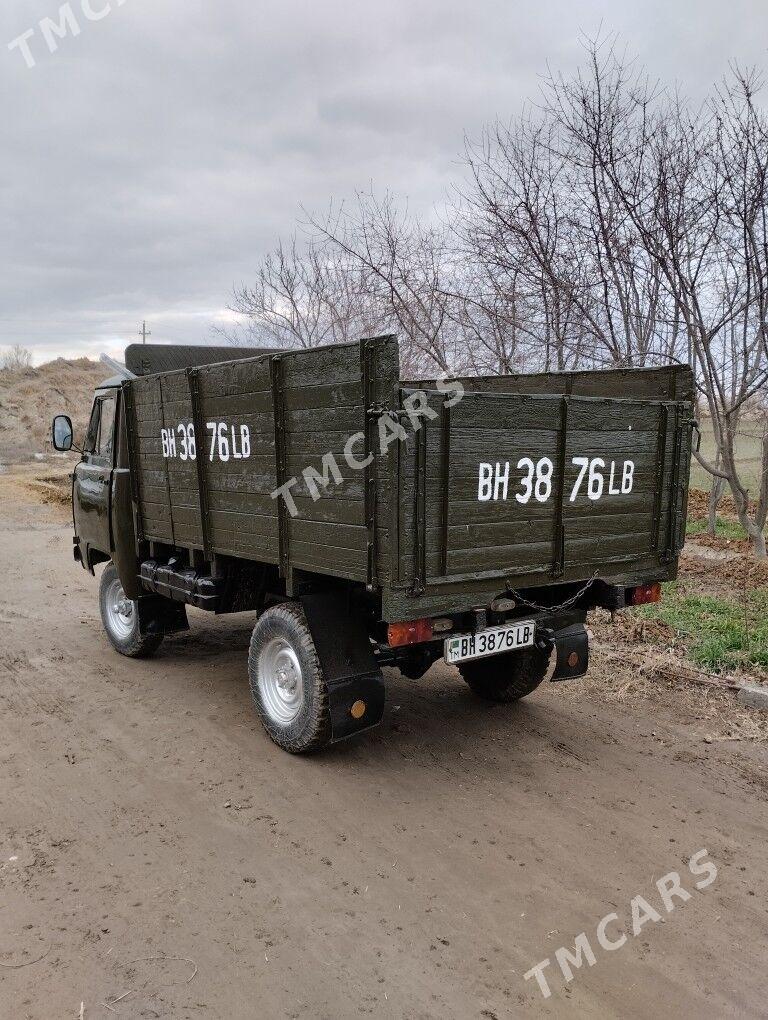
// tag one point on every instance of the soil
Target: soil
(722, 570)
(698, 505)
(30, 397)
(160, 857)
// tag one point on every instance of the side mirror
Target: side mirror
(61, 433)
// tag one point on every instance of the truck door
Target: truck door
(92, 485)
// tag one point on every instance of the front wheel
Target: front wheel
(506, 677)
(287, 682)
(120, 616)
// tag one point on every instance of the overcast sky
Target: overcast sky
(152, 158)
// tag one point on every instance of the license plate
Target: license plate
(462, 647)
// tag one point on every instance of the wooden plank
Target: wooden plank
(322, 395)
(245, 523)
(666, 383)
(464, 488)
(332, 511)
(227, 405)
(329, 560)
(316, 444)
(531, 412)
(236, 377)
(345, 420)
(342, 536)
(515, 514)
(337, 364)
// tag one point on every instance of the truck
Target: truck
(371, 521)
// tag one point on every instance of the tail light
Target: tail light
(410, 632)
(643, 594)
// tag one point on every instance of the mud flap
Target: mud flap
(349, 665)
(161, 616)
(572, 649)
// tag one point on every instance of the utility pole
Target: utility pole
(144, 332)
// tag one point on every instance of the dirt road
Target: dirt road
(165, 859)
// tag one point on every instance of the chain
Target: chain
(553, 609)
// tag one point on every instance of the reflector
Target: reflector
(409, 632)
(643, 594)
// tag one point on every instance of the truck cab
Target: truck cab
(101, 505)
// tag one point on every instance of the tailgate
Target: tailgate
(540, 488)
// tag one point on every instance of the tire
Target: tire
(120, 617)
(506, 678)
(287, 682)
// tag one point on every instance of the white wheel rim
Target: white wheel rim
(281, 683)
(120, 611)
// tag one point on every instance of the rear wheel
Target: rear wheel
(120, 616)
(287, 682)
(507, 677)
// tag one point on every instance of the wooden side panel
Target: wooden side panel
(417, 518)
(321, 402)
(502, 495)
(154, 501)
(238, 456)
(672, 382)
(323, 407)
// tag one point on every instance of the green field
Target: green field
(747, 455)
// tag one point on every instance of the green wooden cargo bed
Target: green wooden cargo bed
(523, 481)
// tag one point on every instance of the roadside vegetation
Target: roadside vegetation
(721, 634)
(716, 611)
(724, 528)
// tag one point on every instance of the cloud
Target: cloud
(150, 161)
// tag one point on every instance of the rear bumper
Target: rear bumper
(563, 635)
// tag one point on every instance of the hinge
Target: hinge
(377, 409)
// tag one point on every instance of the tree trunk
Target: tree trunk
(758, 544)
(715, 495)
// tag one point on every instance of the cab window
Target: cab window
(100, 440)
(92, 434)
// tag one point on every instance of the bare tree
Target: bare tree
(540, 207)
(408, 268)
(694, 185)
(517, 225)
(306, 295)
(16, 357)
(489, 316)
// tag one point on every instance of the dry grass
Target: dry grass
(647, 659)
(52, 489)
